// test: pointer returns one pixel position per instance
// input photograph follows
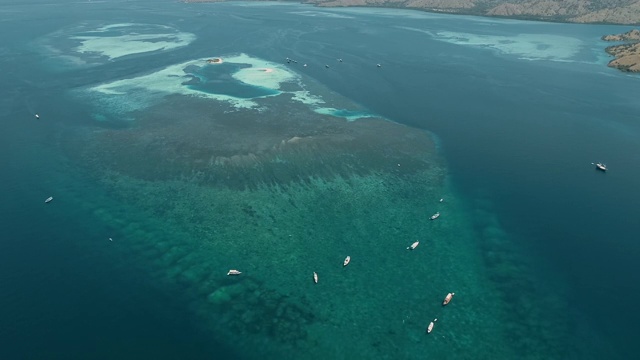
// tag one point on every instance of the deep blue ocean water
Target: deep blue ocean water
(521, 110)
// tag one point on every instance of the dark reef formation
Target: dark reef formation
(244, 149)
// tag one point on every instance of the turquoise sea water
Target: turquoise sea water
(260, 164)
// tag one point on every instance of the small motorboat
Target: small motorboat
(315, 277)
(414, 245)
(234, 272)
(347, 260)
(340, 60)
(327, 66)
(378, 65)
(48, 200)
(430, 327)
(305, 65)
(448, 298)
(435, 216)
(441, 200)
(110, 239)
(37, 116)
(601, 167)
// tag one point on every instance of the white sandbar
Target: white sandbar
(114, 47)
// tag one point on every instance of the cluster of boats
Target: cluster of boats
(446, 301)
(290, 61)
(347, 260)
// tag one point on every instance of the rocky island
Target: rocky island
(627, 55)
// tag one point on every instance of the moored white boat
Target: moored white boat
(414, 245)
(37, 116)
(48, 200)
(347, 260)
(234, 272)
(435, 216)
(430, 327)
(315, 277)
(601, 166)
(448, 298)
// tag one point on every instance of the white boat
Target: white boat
(430, 327)
(234, 272)
(48, 200)
(601, 166)
(315, 277)
(448, 298)
(435, 216)
(378, 65)
(37, 116)
(414, 245)
(347, 260)
(441, 200)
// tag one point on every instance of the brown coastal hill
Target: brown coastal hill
(632, 35)
(579, 11)
(627, 55)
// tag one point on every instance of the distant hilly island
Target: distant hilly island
(577, 11)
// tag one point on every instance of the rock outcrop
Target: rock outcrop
(627, 55)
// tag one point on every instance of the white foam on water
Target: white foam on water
(264, 4)
(394, 12)
(320, 14)
(114, 47)
(524, 46)
(339, 113)
(435, 15)
(90, 45)
(122, 25)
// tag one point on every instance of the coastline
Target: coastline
(552, 11)
(627, 54)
